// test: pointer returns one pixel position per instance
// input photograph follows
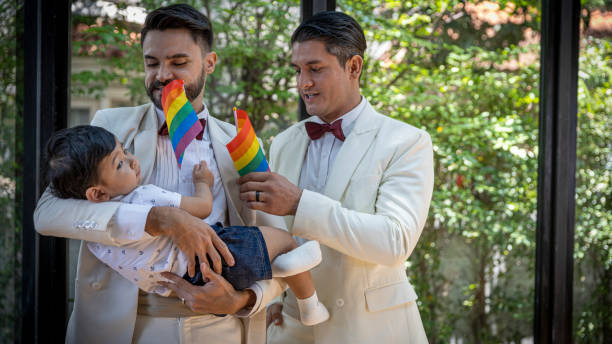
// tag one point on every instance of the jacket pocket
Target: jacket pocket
(388, 296)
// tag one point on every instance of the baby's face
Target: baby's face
(119, 172)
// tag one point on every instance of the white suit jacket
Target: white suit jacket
(105, 303)
(368, 220)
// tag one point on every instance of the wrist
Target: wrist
(244, 299)
(158, 220)
(296, 202)
(201, 185)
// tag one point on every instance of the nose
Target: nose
(164, 73)
(304, 81)
(134, 163)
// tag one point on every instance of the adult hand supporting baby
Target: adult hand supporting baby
(192, 235)
(274, 314)
(277, 195)
(217, 296)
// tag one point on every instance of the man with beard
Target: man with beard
(177, 44)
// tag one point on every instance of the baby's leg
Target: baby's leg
(287, 257)
(293, 262)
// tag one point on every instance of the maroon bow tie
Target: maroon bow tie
(163, 131)
(316, 130)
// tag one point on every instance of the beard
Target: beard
(191, 90)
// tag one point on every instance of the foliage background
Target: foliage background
(10, 123)
(473, 85)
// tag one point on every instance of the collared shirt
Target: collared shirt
(167, 175)
(322, 153)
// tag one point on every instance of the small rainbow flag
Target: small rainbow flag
(182, 121)
(244, 148)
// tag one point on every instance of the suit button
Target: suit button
(339, 302)
(96, 285)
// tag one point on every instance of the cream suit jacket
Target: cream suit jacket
(368, 220)
(105, 303)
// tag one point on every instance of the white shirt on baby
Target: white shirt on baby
(143, 261)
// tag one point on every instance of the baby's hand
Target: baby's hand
(201, 174)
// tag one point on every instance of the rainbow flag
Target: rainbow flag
(244, 148)
(182, 121)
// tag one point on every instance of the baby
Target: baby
(87, 162)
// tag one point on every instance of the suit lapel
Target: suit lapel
(290, 156)
(145, 144)
(291, 160)
(351, 153)
(229, 175)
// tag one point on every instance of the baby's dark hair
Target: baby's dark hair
(73, 156)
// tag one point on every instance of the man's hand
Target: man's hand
(277, 195)
(201, 174)
(192, 235)
(274, 314)
(216, 296)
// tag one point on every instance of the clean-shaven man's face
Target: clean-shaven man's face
(328, 89)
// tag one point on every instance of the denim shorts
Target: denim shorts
(250, 253)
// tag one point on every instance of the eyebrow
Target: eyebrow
(114, 155)
(175, 56)
(307, 63)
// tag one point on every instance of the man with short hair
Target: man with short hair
(177, 44)
(358, 182)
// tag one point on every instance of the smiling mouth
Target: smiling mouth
(309, 96)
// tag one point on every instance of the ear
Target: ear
(210, 59)
(354, 65)
(96, 194)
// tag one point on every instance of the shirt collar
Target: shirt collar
(348, 119)
(161, 118)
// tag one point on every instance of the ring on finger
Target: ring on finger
(257, 196)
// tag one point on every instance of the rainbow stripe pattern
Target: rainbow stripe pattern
(181, 118)
(244, 148)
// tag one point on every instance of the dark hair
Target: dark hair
(180, 16)
(342, 35)
(73, 156)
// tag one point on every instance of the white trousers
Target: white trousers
(205, 329)
(291, 331)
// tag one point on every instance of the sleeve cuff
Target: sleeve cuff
(248, 311)
(128, 223)
(304, 223)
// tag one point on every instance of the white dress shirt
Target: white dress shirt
(322, 153)
(131, 218)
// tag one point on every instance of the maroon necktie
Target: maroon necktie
(316, 130)
(163, 131)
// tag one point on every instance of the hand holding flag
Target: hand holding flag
(244, 148)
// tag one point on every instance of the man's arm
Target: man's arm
(82, 220)
(386, 237)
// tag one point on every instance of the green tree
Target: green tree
(10, 122)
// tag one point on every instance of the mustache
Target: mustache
(159, 84)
